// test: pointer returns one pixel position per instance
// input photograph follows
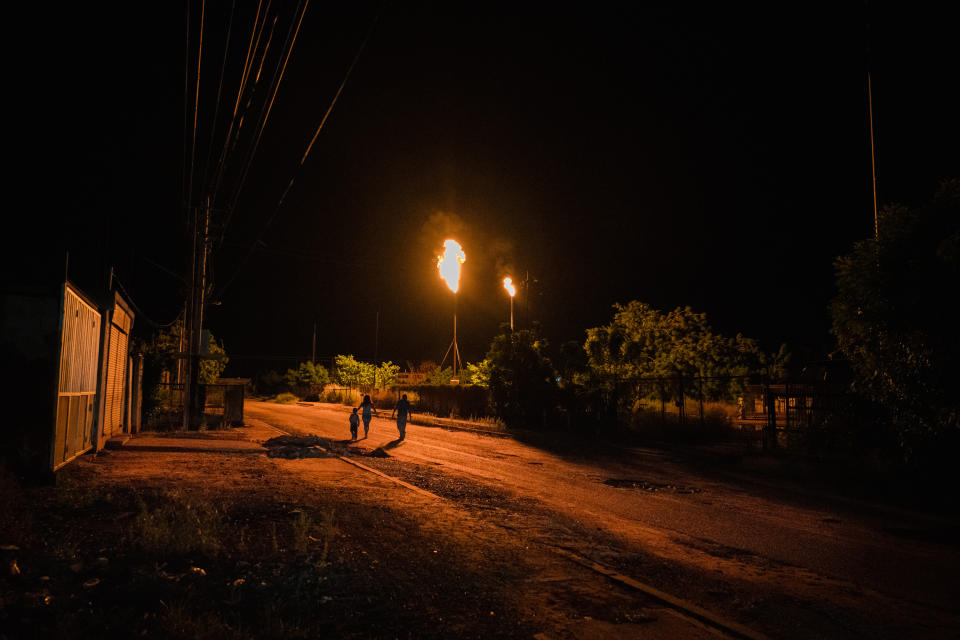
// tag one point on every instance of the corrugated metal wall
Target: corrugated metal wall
(116, 372)
(79, 355)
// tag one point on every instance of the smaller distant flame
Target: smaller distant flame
(449, 263)
(508, 285)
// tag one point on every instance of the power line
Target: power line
(306, 153)
(252, 46)
(286, 52)
(139, 311)
(216, 109)
(196, 104)
(186, 108)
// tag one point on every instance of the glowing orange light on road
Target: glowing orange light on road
(508, 285)
(449, 263)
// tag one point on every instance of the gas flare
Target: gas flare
(508, 285)
(449, 263)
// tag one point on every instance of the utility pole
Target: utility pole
(187, 341)
(873, 160)
(526, 297)
(192, 408)
(873, 153)
(376, 339)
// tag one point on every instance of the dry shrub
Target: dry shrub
(351, 397)
(285, 398)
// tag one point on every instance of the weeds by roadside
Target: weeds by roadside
(285, 398)
(304, 528)
(179, 525)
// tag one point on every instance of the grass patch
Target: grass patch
(489, 422)
(181, 620)
(179, 525)
(308, 534)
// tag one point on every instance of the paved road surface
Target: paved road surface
(859, 567)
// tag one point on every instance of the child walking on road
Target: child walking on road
(354, 424)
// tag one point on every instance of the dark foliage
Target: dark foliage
(522, 380)
(895, 319)
(462, 401)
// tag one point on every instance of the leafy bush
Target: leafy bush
(269, 382)
(440, 376)
(348, 371)
(307, 380)
(285, 398)
(212, 368)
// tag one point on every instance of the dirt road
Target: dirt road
(774, 557)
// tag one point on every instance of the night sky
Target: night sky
(710, 156)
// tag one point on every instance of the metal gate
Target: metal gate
(116, 374)
(77, 387)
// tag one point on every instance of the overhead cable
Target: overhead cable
(303, 158)
(265, 114)
(196, 106)
(216, 109)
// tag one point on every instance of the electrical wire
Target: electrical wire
(304, 157)
(186, 110)
(233, 132)
(287, 51)
(139, 311)
(216, 109)
(196, 105)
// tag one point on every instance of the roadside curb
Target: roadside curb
(684, 607)
(391, 478)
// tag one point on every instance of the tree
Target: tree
(643, 342)
(212, 366)
(522, 380)
(386, 374)
(572, 361)
(353, 373)
(478, 373)
(893, 320)
(440, 376)
(164, 347)
(307, 379)
(159, 355)
(269, 381)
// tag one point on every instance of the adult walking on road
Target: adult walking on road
(402, 411)
(367, 414)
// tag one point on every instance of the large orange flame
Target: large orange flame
(508, 285)
(449, 263)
